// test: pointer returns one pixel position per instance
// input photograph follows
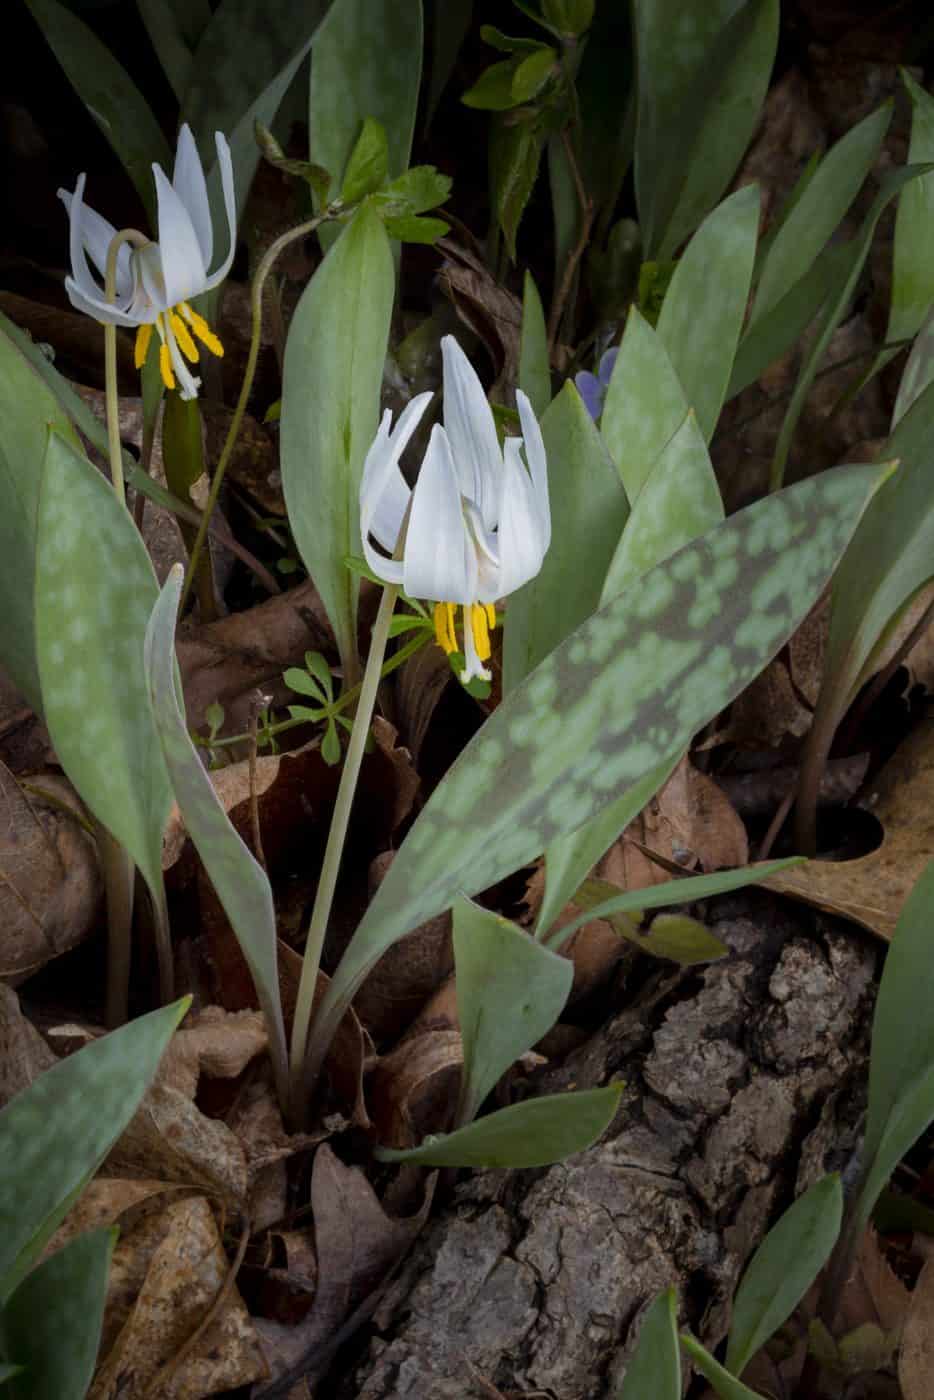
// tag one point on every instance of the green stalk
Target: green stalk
(327, 883)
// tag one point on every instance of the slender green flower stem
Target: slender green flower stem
(256, 310)
(340, 819)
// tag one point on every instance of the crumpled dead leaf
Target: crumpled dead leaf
(413, 1090)
(489, 309)
(872, 889)
(50, 883)
(916, 1356)
(23, 1053)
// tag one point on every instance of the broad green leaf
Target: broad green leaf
(912, 271)
(330, 404)
(410, 229)
(705, 304)
(902, 1051)
(569, 16)
(645, 403)
(834, 309)
(829, 193)
(510, 992)
(535, 1133)
(450, 22)
(703, 73)
(368, 165)
(654, 1368)
(240, 881)
(783, 1268)
(110, 96)
(58, 1131)
(726, 1386)
(515, 154)
(625, 691)
(534, 366)
(911, 1116)
(52, 1323)
(166, 34)
(27, 410)
(95, 589)
(918, 372)
(679, 501)
(589, 510)
(681, 939)
(492, 92)
(416, 190)
(533, 73)
(593, 897)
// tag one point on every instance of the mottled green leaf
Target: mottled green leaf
(52, 1323)
(654, 1369)
(625, 691)
(530, 1134)
(164, 27)
(368, 165)
(95, 589)
(515, 154)
(829, 193)
(912, 268)
(27, 410)
(589, 509)
(330, 404)
(510, 992)
(240, 881)
(725, 1385)
(645, 403)
(783, 1268)
(58, 1131)
(534, 366)
(702, 314)
(110, 96)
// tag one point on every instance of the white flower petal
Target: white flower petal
(440, 560)
(538, 463)
(97, 235)
(468, 422)
(189, 184)
(522, 543)
(97, 307)
(384, 493)
(225, 165)
(474, 669)
(183, 269)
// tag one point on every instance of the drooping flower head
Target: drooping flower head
(478, 518)
(156, 282)
(592, 387)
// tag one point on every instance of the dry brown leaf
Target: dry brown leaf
(489, 309)
(414, 1089)
(183, 1277)
(256, 1119)
(420, 684)
(171, 1138)
(105, 1201)
(872, 889)
(217, 1043)
(50, 884)
(916, 1357)
(24, 1055)
(351, 1046)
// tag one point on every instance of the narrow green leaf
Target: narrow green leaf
(726, 1386)
(530, 1134)
(645, 403)
(368, 165)
(58, 1131)
(918, 372)
(655, 1366)
(704, 307)
(95, 589)
(510, 992)
(829, 193)
(52, 1323)
(492, 92)
(240, 881)
(330, 404)
(625, 691)
(110, 96)
(783, 1268)
(534, 366)
(912, 273)
(28, 409)
(912, 1115)
(589, 508)
(163, 25)
(515, 154)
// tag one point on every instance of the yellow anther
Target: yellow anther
(201, 329)
(490, 615)
(476, 617)
(141, 349)
(182, 334)
(444, 627)
(165, 366)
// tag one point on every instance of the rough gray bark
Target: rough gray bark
(745, 1082)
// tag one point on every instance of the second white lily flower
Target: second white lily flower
(479, 522)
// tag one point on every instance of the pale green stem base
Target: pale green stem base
(327, 883)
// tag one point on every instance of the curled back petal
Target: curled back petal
(522, 544)
(97, 235)
(468, 422)
(189, 184)
(97, 306)
(225, 166)
(183, 270)
(440, 560)
(384, 493)
(537, 462)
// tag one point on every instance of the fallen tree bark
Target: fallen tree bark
(745, 1082)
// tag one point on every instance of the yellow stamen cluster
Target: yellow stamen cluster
(184, 324)
(479, 617)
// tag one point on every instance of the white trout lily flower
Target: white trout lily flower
(156, 282)
(478, 518)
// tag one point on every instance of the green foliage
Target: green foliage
(330, 398)
(368, 165)
(510, 992)
(725, 1385)
(516, 145)
(534, 367)
(912, 274)
(318, 683)
(645, 403)
(530, 1134)
(655, 1366)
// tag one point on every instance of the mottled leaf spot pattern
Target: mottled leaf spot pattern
(95, 589)
(628, 689)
